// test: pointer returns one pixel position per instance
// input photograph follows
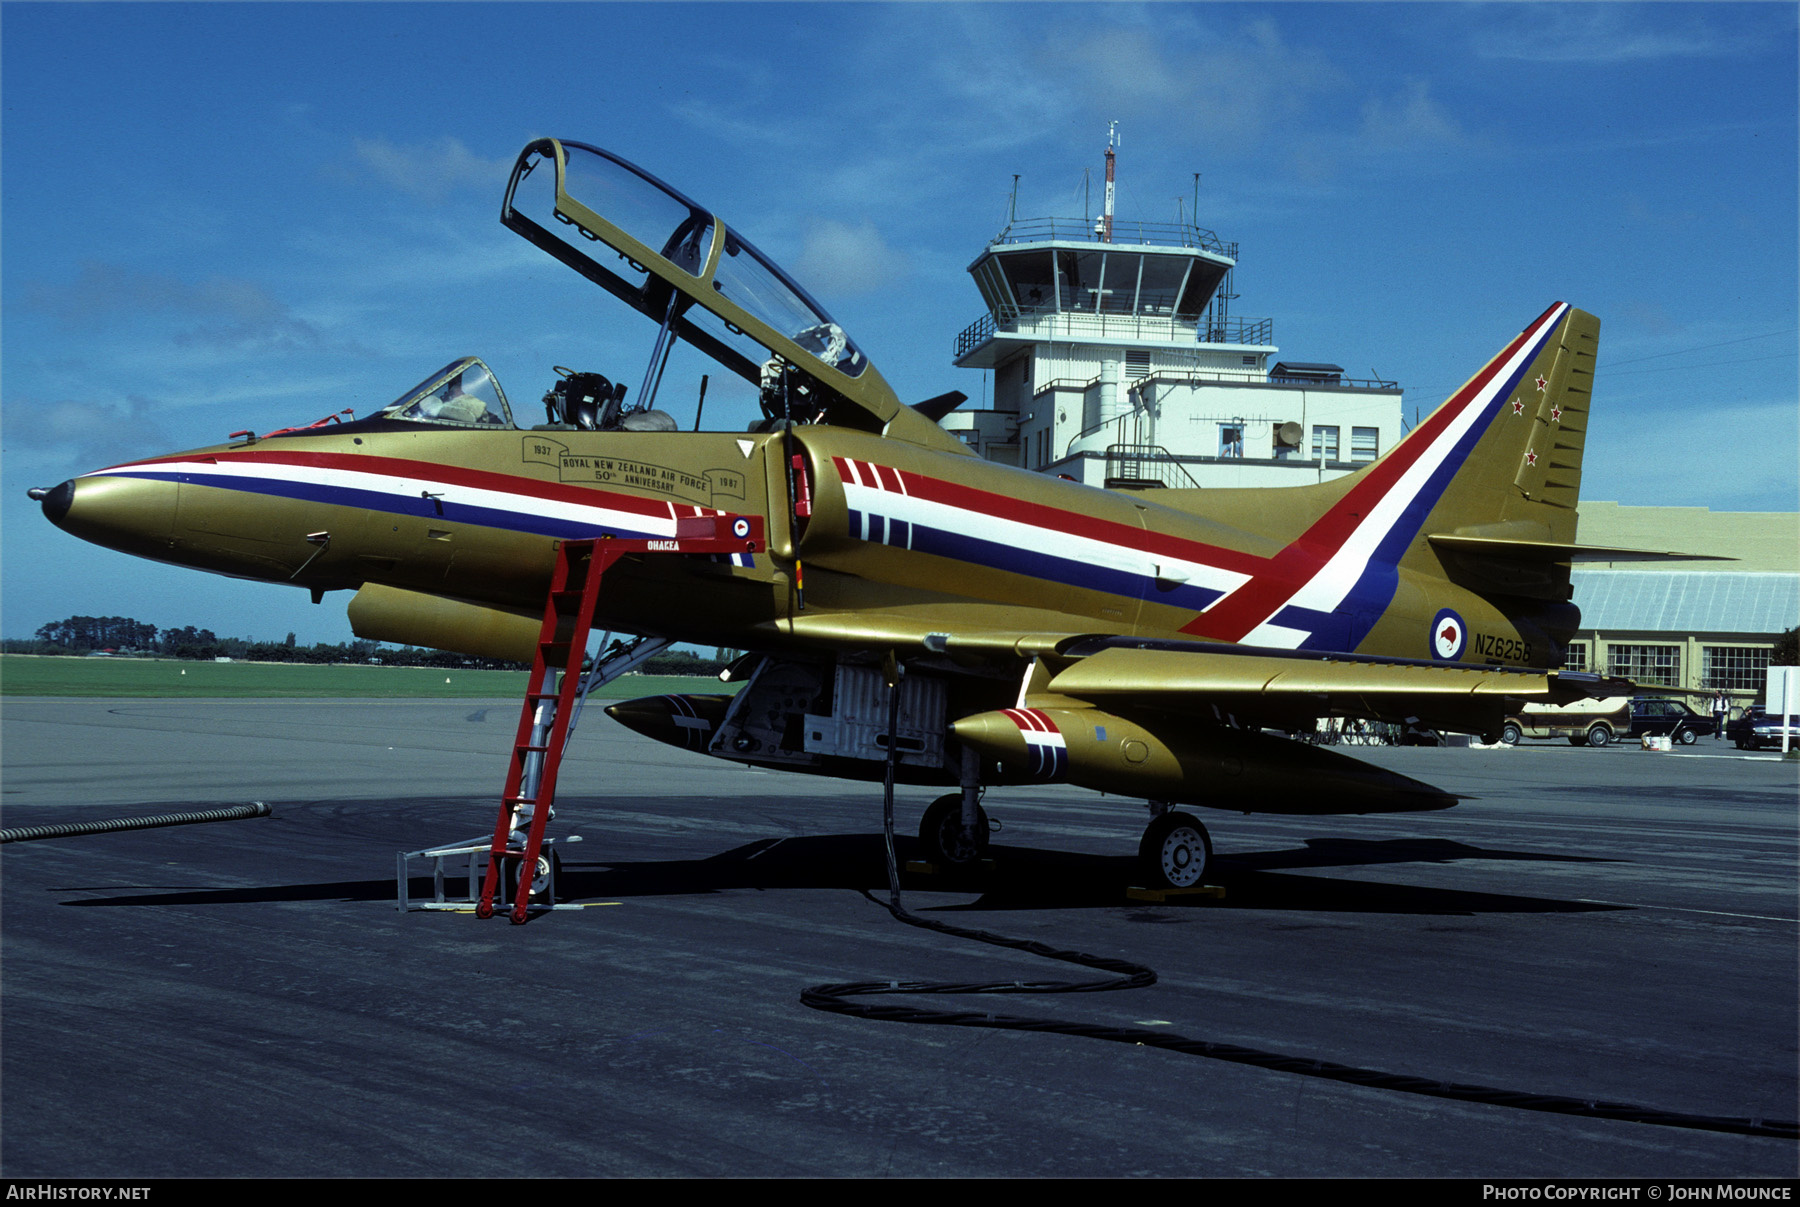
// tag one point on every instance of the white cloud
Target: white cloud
(83, 434)
(1609, 33)
(218, 312)
(838, 258)
(1410, 119)
(431, 171)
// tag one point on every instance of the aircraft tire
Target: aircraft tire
(549, 867)
(942, 833)
(1175, 851)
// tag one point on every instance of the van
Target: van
(1584, 723)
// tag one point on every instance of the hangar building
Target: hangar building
(1694, 626)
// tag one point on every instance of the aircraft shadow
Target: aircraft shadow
(1017, 878)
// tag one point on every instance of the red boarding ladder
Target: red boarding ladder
(548, 712)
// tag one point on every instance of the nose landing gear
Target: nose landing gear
(945, 839)
(1175, 851)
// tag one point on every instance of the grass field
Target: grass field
(25, 675)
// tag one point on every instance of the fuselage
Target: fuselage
(878, 533)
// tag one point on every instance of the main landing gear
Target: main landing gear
(1174, 851)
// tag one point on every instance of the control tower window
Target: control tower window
(1325, 443)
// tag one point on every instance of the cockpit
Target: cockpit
(700, 281)
(462, 392)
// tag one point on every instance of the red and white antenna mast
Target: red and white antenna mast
(1106, 223)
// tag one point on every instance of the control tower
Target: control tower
(1115, 362)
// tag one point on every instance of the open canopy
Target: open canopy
(698, 279)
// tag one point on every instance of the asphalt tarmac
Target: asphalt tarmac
(244, 999)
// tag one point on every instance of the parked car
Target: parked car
(1659, 716)
(1757, 728)
(1584, 723)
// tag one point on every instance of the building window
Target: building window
(1650, 665)
(1575, 657)
(1325, 443)
(1231, 440)
(1364, 443)
(1734, 667)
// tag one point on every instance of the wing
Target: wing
(1188, 722)
(1285, 689)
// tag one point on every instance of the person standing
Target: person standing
(1720, 707)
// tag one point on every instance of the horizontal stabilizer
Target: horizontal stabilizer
(1558, 551)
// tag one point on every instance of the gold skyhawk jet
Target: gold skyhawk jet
(1027, 629)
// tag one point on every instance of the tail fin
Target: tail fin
(1512, 438)
(1482, 492)
(1504, 524)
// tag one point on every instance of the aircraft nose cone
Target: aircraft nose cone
(55, 500)
(123, 513)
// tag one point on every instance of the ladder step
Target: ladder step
(562, 647)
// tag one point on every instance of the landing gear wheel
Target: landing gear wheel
(1175, 851)
(941, 830)
(543, 882)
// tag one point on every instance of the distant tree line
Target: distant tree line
(123, 636)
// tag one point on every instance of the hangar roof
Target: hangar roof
(1687, 601)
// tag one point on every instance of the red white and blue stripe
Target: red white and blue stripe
(426, 489)
(1323, 591)
(1046, 751)
(908, 510)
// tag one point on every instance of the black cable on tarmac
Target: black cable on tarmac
(835, 999)
(71, 829)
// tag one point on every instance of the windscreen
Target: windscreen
(463, 391)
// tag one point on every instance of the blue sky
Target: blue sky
(226, 216)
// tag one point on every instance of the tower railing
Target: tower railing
(1087, 230)
(1049, 323)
